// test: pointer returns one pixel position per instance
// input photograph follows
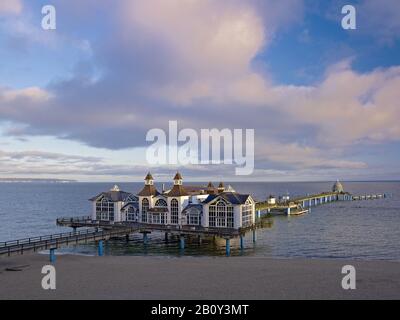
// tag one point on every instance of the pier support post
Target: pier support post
(166, 237)
(288, 211)
(52, 255)
(182, 242)
(100, 248)
(241, 242)
(254, 235)
(145, 238)
(200, 240)
(228, 247)
(258, 214)
(127, 238)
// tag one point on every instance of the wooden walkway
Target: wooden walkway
(60, 239)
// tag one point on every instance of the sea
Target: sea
(366, 230)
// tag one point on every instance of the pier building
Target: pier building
(205, 206)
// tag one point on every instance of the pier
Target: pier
(96, 231)
(55, 241)
(299, 204)
(101, 229)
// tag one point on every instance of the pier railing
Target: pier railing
(56, 240)
(74, 219)
(32, 240)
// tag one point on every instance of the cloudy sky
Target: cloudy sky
(77, 102)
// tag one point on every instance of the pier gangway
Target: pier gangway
(54, 241)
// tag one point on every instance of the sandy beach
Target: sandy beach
(131, 277)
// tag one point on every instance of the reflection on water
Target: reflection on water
(360, 229)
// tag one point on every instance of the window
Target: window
(161, 203)
(229, 217)
(247, 214)
(174, 211)
(145, 207)
(131, 214)
(221, 214)
(157, 218)
(193, 219)
(105, 210)
(211, 215)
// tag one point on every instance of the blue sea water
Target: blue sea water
(367, 230)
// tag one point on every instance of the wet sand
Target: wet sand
(129, 277)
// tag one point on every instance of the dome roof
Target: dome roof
(338, 187)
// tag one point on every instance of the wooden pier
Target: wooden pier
(99, 231)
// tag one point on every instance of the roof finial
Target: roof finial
(115, 188)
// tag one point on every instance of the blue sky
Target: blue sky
(76, 102)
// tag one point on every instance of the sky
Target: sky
(76, 102)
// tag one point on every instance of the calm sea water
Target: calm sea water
(358, 229)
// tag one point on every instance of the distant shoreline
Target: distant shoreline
(24, 180)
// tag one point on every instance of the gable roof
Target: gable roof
(197, 206)
(231, 197)
(133, 204)
(114, 196)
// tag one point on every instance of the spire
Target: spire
(178, 179)
(221, 187)
(149, 181)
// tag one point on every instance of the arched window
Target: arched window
(131, 214)
(221, 215)
(145, 207)
(174, 211)
(104, 210)
(161, 203)
(247, 214)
